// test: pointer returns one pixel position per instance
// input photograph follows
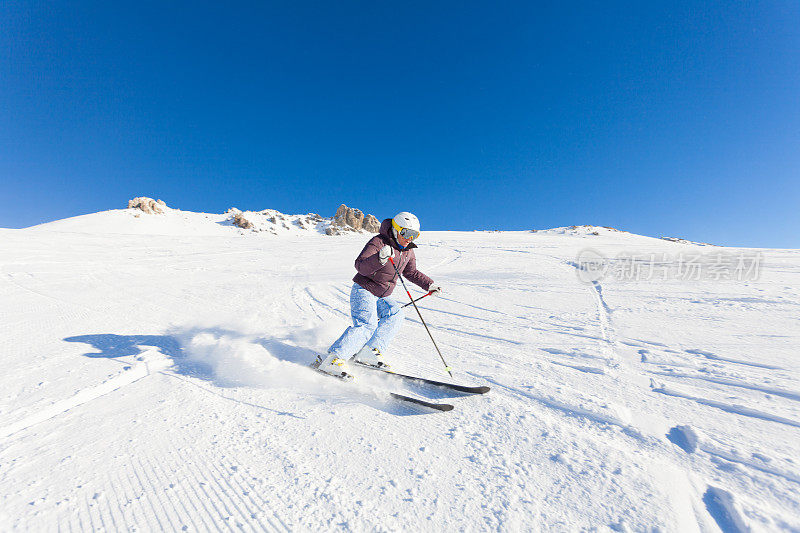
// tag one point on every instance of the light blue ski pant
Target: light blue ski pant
(375, 323)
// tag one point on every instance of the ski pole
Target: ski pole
(446, 366)
(418, 299)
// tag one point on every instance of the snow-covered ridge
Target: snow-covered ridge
(597, 231)
(146, 216)
(275, 222)
(681, 240)
(579, 230)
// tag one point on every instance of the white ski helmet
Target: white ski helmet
(406, 224)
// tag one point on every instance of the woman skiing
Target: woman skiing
(376, 315)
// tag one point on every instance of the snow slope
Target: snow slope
(154, 379)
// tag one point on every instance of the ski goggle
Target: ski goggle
(406, 233)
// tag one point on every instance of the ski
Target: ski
(416, 401)
(443, 407)
(425, 381)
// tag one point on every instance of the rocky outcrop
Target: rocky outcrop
(347, 216)
(348, 219)
(148, 205)
(239, 220)
(371, 224)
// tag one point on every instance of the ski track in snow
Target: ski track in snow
(134, 373)
(156, 383)
(736, 409)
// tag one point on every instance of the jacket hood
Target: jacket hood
(386, 232)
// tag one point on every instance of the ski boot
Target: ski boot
(333, 365)
(371, 357)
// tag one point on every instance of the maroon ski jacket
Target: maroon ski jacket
(380, 279)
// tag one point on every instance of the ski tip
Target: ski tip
(442, 407)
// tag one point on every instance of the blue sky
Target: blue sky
(677, 119)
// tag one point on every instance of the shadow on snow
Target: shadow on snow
(113, 346)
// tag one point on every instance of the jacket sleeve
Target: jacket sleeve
(415, 276)
(367, 262)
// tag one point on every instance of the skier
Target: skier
(376, 315)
